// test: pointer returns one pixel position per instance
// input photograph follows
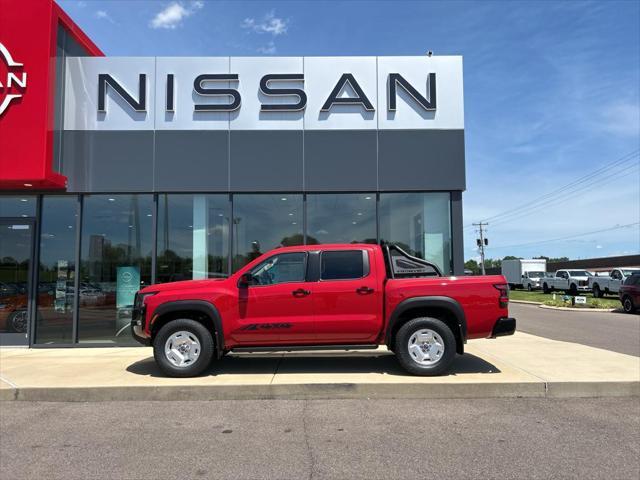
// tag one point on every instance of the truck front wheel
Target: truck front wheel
(425, 346)
(183, 348)
(545, 288)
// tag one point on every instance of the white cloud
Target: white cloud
(621, 118)
(268, 24)
(268, 49)
(173, 14)
(103, 15)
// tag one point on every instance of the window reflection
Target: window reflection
(18, 206)
(341, 218)
(56, 278)
(193, 237)
(262, 222)
(115, 263)
(420, 224)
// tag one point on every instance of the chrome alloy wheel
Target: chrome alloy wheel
(182, 349)
(426, 347)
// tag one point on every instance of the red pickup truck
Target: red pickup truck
(323, 297)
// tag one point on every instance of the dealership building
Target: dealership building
(120, 172)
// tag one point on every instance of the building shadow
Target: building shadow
(306, 363)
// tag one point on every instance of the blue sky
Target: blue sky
(552, 94)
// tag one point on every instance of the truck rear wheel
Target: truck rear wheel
(627, 305)
(183, 348)
(425, 346)
(545, 288)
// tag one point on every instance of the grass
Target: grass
(547, 299)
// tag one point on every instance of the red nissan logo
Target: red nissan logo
(14, 81)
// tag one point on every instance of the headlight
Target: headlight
(139, 300)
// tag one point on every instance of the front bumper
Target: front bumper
(504, 326)
(137, 326)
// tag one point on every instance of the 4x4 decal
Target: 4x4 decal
(265, 326)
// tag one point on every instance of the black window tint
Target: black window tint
(286, 267)
(342, 265)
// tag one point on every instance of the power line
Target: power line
(617, 227)
(569, 195)
(571, 185)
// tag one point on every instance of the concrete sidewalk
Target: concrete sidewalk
(519, 366)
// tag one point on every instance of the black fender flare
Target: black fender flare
(445, 303)
(200, 306)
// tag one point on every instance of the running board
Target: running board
(302, 348)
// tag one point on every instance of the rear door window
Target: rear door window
(343, 265)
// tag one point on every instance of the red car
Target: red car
(323, 297)
(630, 293)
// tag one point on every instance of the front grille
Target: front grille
(583, 283)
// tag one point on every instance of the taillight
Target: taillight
(503, 299)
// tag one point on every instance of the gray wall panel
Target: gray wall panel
(337, 160)
(75, 160)
(421, 160)
(108, 161)
(191, 160)
(268, 161)
(457, 240)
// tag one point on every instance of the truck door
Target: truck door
(615, 282)
(562, 280)
(347, 300)
(275, 307)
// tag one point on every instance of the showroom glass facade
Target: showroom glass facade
(96, 250)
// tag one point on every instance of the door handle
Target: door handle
(364, 290)
(301, 292)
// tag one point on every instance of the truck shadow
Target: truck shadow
(305, 363)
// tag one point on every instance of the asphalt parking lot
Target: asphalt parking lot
(322, 439)
(615, 331)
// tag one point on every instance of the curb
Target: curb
(325, 391)
(526, 302)
(571, 309)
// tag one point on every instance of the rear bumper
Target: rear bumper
(504, 326)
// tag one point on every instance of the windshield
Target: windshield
(579, 273)
(535, 274)
(630, 271)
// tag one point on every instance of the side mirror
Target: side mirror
(245, 280)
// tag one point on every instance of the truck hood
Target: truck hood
(182, 285)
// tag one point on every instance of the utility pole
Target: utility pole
(481, 242)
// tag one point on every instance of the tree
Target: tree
(472, 265)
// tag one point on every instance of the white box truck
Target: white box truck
(524, 273)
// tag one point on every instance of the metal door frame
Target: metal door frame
(6, 339)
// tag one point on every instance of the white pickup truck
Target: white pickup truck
(571, 281)
(601, 285)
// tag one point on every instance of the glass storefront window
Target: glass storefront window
(56, 299)
(193, 237)
(341, 218)
(262, 222)
(419, 223)
(18, 206)
(116, 251)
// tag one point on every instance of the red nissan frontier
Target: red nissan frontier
(346, 296)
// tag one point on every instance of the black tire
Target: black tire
(597, 292)
(406, 360)
(545, 288)
(627, 305)
(206, 348)
(529, 287)
(573, 290)
(17, 321)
